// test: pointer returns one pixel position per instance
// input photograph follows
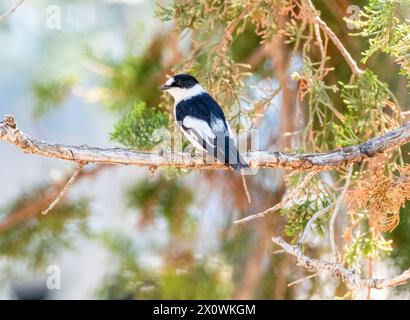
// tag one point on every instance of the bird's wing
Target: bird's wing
(205, 126)
(199, 133)
(226, 151)
(213, 140)
(204, 130)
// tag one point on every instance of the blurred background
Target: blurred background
(71, 72)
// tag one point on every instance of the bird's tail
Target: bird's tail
(239, 168)
(233, 157)
(239, 164)
(230, 155)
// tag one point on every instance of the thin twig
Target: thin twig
(338, 206)
(308, 226)
(63, 192)
(245, 188)
(339, 45)
(350, 277)
(278, 251)
(284, 201)
(322, 47)
(33, 207)
(303, 279)
(9, 12)
(320, 41)
(370, 274)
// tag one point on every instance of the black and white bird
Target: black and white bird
(203, 121)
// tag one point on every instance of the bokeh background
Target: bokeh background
(126, 232)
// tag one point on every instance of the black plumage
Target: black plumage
(222, 146)
(203, 121)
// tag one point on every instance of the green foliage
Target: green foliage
(135, 78)
(199, 282)
(136, 129)
(38, 239)
(385, 30)
(244, 44)
(199, 15)
(209, 15)
(366, 245)
(51, 93)
(333, 110)
(165, 198)
(321, 106)
(128, 279)
(367, 114)
(208, 279)
(195, 283)
(217, 57)
(121, 245)
(401, 239)
(316, 196)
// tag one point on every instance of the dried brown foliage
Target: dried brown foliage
(381, 198)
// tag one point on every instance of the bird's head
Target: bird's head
(182, 86)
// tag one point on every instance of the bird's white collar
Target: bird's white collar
(181, 94)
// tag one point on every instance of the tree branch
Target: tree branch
(338, 206)
(64, 191)
(352, 279)
(260, 159)
(9, 12)
(339, 45)
(284, 201)
(33, 207)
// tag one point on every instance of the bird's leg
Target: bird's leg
(204, 156)
(203, 152)
(193, 152)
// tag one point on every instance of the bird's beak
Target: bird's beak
(164, 87)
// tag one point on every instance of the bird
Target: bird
(203, 121)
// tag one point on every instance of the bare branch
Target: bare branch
(352, 279)
(303, 279)
(34, 206)
(259, 159)
(339, 45)
(284, 201)
(63, 192)
(9, 12)
(245, 188)
(339, 203)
